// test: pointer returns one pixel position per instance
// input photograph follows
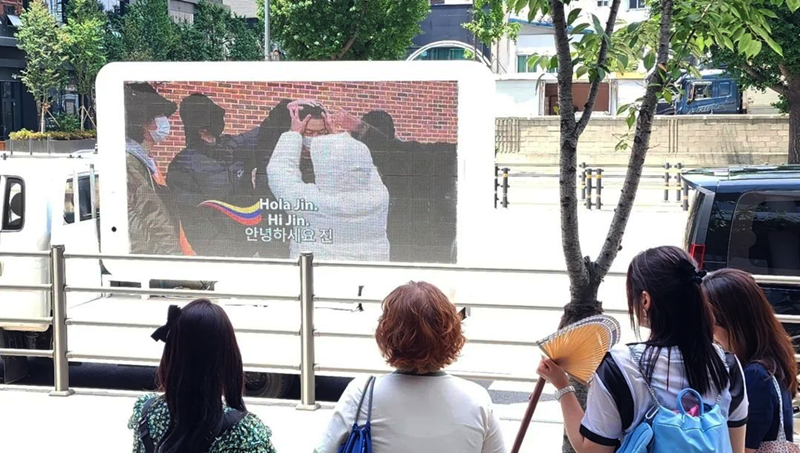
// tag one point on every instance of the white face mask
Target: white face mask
(307, 142)
(162, 129)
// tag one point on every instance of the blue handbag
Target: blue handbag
(360, 438)
(665, 431)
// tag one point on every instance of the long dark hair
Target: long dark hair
(679, 315)
(740, 306)
(201, 362)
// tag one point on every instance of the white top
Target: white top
(619, 400)
(420, 414)
(350, 202)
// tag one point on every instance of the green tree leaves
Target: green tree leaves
(40, 39)
(345, 29)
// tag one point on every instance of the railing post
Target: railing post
(505, 187)
(307, 391)
(583, 180)
(678, 177)
(667, 166)
(589, 188)
(599, 201)
(59, 302)
(496, 185)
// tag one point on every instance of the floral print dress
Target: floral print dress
(250, 435)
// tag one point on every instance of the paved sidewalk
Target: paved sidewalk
(95, 421)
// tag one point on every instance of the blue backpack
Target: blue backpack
(360, 439)
(664, 431)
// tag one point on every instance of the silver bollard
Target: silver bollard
(59, 300)
(307, 391)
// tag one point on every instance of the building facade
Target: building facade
(17, 106)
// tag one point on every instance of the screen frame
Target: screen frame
(475, 135)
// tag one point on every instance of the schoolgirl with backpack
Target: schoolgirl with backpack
(675, 392)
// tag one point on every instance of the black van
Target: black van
(749, 218)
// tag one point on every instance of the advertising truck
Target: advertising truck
(364, 163)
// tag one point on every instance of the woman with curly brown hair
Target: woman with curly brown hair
(419, 407)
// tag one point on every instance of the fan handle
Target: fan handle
(526, 421)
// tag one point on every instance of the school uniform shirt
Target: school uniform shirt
(421, 414)
(764, 420)
(618, 398)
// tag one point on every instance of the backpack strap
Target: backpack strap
(371, 385)
(144, 428)
(229, 420)
(361, 402)
(637, 358)
(781, 429)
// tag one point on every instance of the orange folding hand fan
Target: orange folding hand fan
(578, 349)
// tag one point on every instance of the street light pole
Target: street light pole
(267, 51)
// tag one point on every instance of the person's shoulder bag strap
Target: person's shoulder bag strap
(144, 428)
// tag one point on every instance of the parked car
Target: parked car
(749, 219)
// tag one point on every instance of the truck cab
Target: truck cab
(46, 200)
(715, 93)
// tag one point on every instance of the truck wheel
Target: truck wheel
(268, 385)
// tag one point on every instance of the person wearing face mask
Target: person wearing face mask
(346, 204)
(152, 225)
(212, 173)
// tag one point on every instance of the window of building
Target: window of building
(765, 234)
(602, 2)
(13, 205)
(443, 53)
(522, 65)
(636, 4)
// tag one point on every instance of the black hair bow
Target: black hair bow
(689, 274)
(162, 332)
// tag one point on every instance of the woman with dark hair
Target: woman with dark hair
(201, 364)
(419, 408)
(762, 345)
(664, 296)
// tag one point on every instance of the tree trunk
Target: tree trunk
(43, 112)
(794, 129)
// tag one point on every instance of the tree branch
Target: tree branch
(641, 142)
(785, 72)
(751, 71)
(570, 237)
(567, 112)
(588, 108)
(352, 39)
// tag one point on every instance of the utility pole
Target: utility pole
(267, 50)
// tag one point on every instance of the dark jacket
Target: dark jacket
(205, 178)
(152, 226)
(422, 182)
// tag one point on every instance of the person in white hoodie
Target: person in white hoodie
(350, 202)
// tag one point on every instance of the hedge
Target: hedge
(25, 134)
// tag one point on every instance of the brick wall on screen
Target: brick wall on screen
(422, 111)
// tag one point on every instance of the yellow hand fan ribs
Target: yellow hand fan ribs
(578, 349)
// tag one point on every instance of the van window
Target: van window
(719, 230)
(724, 89)
(691, 223)
(13, 205)
(84, 194)
(765, 234)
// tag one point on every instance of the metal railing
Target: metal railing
(592, 180)
(308, 367)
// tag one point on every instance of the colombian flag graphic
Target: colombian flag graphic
(248, 216)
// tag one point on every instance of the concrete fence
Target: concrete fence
(693, 140)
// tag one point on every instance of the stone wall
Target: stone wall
(692, 140)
